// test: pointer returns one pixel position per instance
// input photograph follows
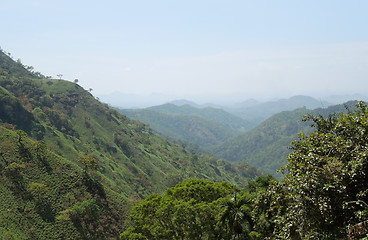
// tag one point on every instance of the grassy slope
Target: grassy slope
(133, 161)
(28, 212)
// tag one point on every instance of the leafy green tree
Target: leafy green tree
(237, 215)
(88, 162)
(260, 184)
(86, 209)
(190, 210)
(14, 171)
(85, 216)
(38, 190)
(21, 135)
(326, 179)
(40, 150)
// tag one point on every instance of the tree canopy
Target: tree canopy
(189, 210)
(325, 192)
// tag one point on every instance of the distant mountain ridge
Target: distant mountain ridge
(257, 111)
(203, 126)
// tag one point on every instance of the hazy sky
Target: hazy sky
(201, 47)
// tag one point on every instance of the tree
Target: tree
(40, 150)
(38, 190)
(59, 76)
(14, 171)
(190, 210)
(326, 175)
(87, 209)
(88, 162)
(237, 215)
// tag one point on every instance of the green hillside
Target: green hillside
(45, 196)
(202, 126)
(218, 115)
(71, 125)
(267, 146)
(323, 194)
(189, 128)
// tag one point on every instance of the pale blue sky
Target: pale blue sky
(194, 48)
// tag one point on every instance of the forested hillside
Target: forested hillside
(267, 146)
(72, 128)
(203, 126)
(323, 194)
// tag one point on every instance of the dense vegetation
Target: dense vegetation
(323, 195)
(197, 209)
(72, 168)
(44, 196)
(112, 161)
(267, 145)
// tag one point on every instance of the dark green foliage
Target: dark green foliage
(33, 190)
(190, 210)
(237, 215)
(199, 209)
(85, 217)
(88, 162)
(325, 188)
(12, 111)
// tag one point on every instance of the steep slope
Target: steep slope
(40, 193)
(71, 121)
(47, 191)
(267, 146)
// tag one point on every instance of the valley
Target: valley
(72, 167)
